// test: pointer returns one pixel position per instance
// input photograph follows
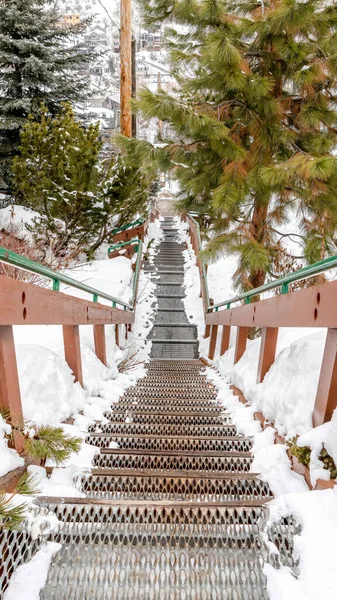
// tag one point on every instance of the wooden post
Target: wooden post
(326, 396)
(126, 68)
(134, 85)
(10, 397)
(100, 346)
(226, 332)
(117, 334)
(72, 350)
(241, 343)
(212, 343)
(267, 351)
(207, 331)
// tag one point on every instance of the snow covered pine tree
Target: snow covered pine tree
(253, 127)
(38, 57)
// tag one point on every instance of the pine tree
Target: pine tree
(40, 60)
(79, 197)
(13, 514)
(253, 122)
(42, 442)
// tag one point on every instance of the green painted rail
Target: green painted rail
(203, 267)
(6, 256)
(127, 226)
(283, 282)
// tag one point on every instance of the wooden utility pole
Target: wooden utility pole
(134, 83)
(126, 68)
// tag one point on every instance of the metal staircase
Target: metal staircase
(172, 336)
(173, 512)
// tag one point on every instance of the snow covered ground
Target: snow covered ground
(286, 398)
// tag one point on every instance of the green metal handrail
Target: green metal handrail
(127, 226)
(201, 260)
(282, 282)
(56, 277)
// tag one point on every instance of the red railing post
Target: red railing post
(225, 337)
(326, 396)
(100, 346)
(241, 342)
(212, 343)
(117, 335)
(267, 351)
(72, 350)
(10, 397)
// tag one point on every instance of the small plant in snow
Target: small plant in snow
(44, 441)
(11, 514)
(303, 455)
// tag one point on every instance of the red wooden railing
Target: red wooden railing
(315, 306)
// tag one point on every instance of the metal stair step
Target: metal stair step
(168, 417)
(119, 486)
(167, 430)
(185, 463)
(176, 393)
(181, 444)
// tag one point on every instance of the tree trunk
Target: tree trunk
(257, 232)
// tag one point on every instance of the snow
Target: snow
(63, 481)
(316, 511)
(30, 578)
(48, 392)
(14, 218)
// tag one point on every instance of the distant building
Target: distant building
(96, 37)
(71, 19)
(116, 42)
(150, 41)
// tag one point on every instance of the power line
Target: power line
(107, 12)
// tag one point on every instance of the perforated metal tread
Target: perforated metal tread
(169, 553)
(166, 418)
(169, 430)
(166, 444)
(164, 462)
(178, 489)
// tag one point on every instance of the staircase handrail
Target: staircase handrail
(282, 282)
(202, 263)
(26, 264)
(127, 226)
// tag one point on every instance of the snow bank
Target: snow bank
(30, 578)
(48, 392)
(316, 511)
(14, 218)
